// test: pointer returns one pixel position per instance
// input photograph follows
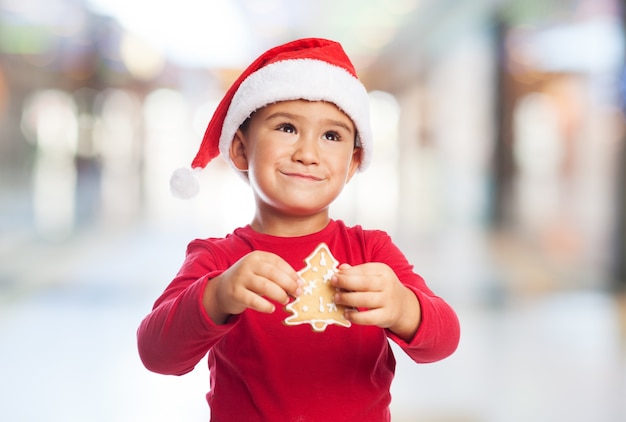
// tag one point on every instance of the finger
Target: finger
(352, 281)
(282, 274)
(376, 317)
(365, 300)
(269, 289)
(253, 301)
(365, 277)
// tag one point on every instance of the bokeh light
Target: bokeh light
(498, 169)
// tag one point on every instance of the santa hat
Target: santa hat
(311, 69)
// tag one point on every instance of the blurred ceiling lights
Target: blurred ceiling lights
(227, 33)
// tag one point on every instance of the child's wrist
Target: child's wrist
(410, 318)
(211, 304)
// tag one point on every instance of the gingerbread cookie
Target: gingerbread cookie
(316, 305)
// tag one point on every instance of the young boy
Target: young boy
(296, 125)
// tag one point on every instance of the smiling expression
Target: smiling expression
(298, 156)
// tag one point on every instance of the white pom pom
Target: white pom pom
(184, 183)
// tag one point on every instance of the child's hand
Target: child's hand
(249, 283)
(384, 300)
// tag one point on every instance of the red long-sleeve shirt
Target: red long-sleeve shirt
(263, 370)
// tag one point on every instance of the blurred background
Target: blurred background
(498, 169)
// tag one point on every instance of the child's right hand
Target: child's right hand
(249, 283)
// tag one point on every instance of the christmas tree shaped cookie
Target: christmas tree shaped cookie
(316, 305)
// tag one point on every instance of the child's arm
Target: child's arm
(421, 323)
(194, 311)
(177, 333)
(390, 295)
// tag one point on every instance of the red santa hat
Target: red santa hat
(311, 69)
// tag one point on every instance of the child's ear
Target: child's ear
(237, 151)
(355, 162)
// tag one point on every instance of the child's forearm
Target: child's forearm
(411, 317)
(438, 332)
(177, 334)
(211, 303)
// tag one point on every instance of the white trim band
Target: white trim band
(296, 79)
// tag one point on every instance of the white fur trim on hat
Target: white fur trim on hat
(306, 79)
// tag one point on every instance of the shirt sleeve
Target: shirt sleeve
(438, 333)
(178, 332)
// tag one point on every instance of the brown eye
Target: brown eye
(332, 136)
(287, 128)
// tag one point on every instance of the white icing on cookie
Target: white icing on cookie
(316, 306)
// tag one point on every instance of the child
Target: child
(296, 125)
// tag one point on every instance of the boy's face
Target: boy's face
(298, 155)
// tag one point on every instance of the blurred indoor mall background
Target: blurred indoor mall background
(499, 170)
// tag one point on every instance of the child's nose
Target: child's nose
(307, 150)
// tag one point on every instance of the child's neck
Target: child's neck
(289, 226)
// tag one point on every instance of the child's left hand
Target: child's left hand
(382, 299)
